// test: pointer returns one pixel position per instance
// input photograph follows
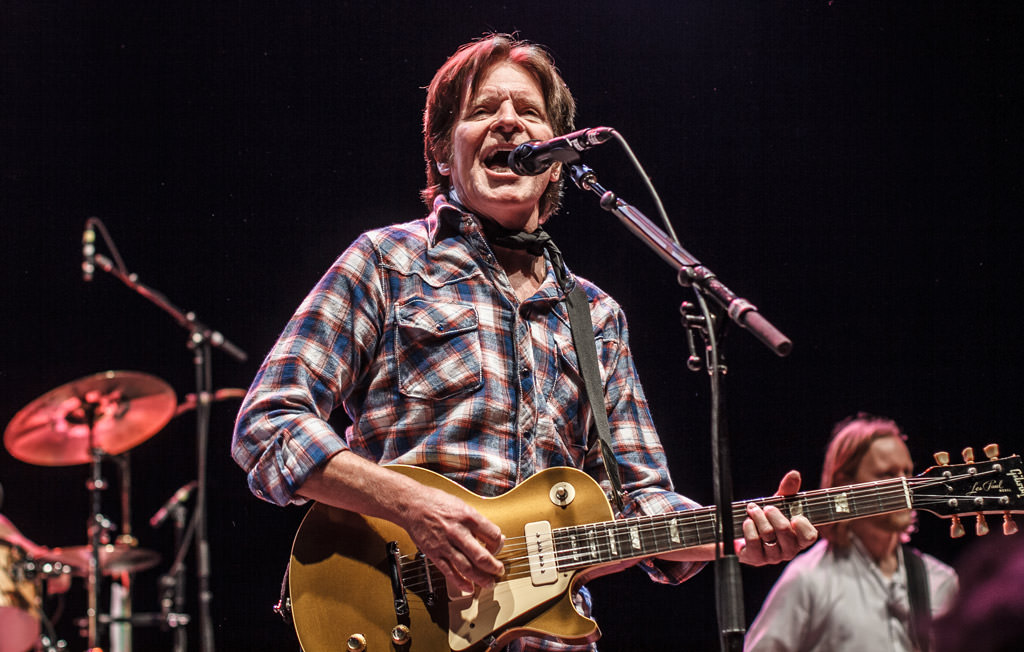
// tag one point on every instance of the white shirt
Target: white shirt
(837, 600)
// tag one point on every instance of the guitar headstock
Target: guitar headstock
(992, 486)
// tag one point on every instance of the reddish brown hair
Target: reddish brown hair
(851, 439)
(460, 76)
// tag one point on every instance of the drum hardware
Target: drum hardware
(20, 603)
(172, 583)
(222, 394)
(126, 408)
(114, 558)
(88, 421)
(201, 341)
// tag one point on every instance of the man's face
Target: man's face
(506, 110)
(887, 458)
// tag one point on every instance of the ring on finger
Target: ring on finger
(770, 544)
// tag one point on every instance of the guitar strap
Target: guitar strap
(283, 608)
(583, 340)
(920, 599)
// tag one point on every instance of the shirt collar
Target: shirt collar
(450, 217)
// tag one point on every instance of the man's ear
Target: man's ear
(555, 173)
(443, 168)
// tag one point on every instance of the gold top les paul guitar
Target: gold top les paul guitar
(358, 583)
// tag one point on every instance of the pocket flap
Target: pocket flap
(439, 318)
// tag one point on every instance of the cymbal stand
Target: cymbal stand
(121, 629)
(98, 524)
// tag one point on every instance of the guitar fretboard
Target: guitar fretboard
(581, 546)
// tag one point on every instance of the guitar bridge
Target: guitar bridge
(430, 599)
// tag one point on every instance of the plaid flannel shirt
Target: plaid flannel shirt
(416, 331)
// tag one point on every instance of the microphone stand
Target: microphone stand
(201, 340)
(692, 273)
(172, 584)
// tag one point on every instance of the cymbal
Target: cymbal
(115, 558)
(128, 407)
(220, 395)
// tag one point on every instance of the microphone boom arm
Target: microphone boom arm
(200, 332)
(691, 272)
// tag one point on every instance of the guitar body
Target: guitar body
(341, 587)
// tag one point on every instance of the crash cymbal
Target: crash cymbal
(128, 407)
(220, 395)
(115, 558)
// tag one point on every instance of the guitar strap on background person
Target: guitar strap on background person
(920, 621)
(582, 327)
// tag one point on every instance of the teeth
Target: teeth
(498, 159)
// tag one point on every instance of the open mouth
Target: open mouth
(497, 160)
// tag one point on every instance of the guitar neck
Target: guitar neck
(582, 546)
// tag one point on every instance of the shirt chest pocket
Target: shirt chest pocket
(437, 349)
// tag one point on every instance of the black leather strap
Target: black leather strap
(920, 599)
(586, 353)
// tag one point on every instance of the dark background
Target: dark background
(852, 168)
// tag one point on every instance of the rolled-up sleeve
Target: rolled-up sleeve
(282, 432)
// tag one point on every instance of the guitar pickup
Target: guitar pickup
(397, 586)
(541, 552)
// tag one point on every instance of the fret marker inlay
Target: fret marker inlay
(841, 504)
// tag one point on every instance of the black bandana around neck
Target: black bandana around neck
(535, 243)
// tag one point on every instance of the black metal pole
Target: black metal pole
(691, 273)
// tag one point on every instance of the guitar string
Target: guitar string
(701, 520)
(656, 524)
(566, 559)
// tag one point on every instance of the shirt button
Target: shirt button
(524, 371)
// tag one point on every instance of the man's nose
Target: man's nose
(507, 118)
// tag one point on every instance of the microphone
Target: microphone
(533, 158)
(180, 496)
(88, 251)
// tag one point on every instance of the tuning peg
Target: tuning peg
(1009, 526)
(968, 454)
(941, 458)
(956, 528)
(980, 526)
(992, 451)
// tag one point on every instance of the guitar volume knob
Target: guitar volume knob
(400, 635)
(562, 493)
